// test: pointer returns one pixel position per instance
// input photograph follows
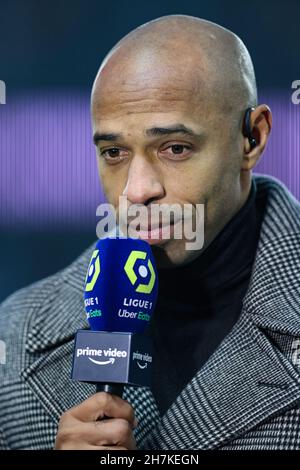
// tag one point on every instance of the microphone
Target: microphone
(120, 294)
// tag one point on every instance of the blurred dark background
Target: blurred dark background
(49, 55)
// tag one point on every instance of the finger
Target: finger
(82, 446)
(101, 405)
(112, 448)
(115, 432)
(76, 446)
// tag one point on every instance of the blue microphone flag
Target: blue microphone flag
(121, 286)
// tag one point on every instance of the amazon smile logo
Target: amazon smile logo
(108, 356)
(103, 363)
(142, 360)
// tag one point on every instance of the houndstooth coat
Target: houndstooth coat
(247, 394)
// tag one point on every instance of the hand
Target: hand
(102, 422)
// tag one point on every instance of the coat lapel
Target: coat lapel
(245, 382)
(50, 342)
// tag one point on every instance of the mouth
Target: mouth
(156, 235)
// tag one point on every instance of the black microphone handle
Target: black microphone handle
(113, 388)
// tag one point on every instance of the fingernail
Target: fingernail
(135, 423)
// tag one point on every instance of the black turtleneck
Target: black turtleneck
(199, 303)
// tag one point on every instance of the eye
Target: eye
(176, 150)
(113, 153)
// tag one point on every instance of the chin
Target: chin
(172, 254)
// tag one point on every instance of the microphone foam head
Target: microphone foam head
(121, 285)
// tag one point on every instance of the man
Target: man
(170, 126)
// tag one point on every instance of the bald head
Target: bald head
(211, 63)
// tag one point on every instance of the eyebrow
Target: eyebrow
(177, 129)
(152, 132)
(109, 137)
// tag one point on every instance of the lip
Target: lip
(157, 235)
(151, 228)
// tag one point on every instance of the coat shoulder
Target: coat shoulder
(17, 309)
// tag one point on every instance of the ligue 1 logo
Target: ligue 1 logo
(137, 266)
(93, 271)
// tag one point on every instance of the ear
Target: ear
(260, 124)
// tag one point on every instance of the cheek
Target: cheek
(104, 180)
(214, 174)
(195, 182)
(112, 183)
(209, 180)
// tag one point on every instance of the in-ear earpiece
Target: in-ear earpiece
(247, 128)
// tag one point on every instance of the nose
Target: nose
(144, 182)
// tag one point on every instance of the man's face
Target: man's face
(160, 139)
